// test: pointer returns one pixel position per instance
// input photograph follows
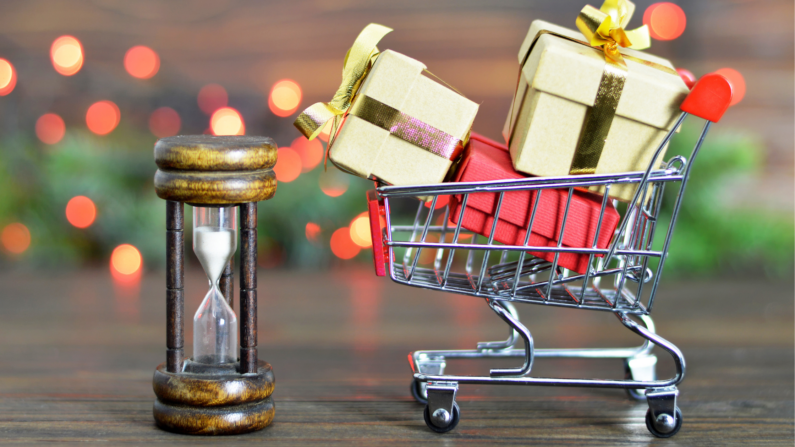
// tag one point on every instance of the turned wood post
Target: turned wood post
(175, 284)
(248, 288)
(227, 282)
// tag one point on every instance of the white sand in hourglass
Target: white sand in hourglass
(215, 323)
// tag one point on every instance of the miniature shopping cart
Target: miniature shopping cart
(433, 253)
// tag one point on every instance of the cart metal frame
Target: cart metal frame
(502, 280)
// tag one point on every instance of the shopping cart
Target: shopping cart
(620, 279)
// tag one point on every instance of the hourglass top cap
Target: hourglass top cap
(215, 153)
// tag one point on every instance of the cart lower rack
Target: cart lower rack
(433, 253)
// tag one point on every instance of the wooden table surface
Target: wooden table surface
(77, 353)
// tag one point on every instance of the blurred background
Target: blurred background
(87, 87)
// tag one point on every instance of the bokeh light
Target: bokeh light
(666, 21)
(312, 231)
(360, 230)
(125, 260)
(15, 238)
(141, 62)
(164, 122)
(211, 98)
(333, 183)
(288, 165)
(227, 121)
(66, 54)
(102, 117)
(311, 152)
(50, 128)
(737, 81)
(284, 98)
(8, 77)
(342, 245)
(441, 202)
(324, 134)
(81, 212)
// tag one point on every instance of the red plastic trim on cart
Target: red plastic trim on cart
(709, 98)
(377, 226)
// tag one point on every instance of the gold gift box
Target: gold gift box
(558, 86)
(369, 150)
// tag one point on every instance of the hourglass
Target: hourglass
(223, 388)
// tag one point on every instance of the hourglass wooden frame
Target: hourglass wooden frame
(212, 171)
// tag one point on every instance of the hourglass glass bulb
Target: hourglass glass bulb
(215, 323)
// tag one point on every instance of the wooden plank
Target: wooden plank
(79, 353)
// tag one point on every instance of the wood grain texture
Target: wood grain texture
(215, 188)
(213, 390)
(79, 353)
(215, 153)
(230, 420)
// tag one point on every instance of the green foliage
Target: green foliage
(116, 172)
(714, 233)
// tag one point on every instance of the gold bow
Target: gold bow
(358, 61)
(604, 27)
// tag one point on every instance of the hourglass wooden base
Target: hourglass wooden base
(214, 400)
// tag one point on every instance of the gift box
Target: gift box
(577, 110)
(400, 127)
(486, 160)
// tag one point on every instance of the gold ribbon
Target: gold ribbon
(358, 62)
(406, 127)
(604, 28)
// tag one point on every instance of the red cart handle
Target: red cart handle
(377, 225)
(709, 98)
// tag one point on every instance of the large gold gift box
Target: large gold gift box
(419, 109)
(556, 92)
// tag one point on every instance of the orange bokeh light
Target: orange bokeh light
(333, 183)
(8, 77)
(211, 98)
(66, 54)
(666, 21)
(125, 260)
(311, 152)
(164, 122)
(342, 245)
(15, 238)
(284, 98)
(360, 230)
(141, 62)
(324, 134)
(50, 128)
(441, 202)
(81, 212)
(102, 117)
(737, 81)
(312, 231)
(288, 165)
(227, 121)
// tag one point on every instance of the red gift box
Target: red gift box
(487, 160)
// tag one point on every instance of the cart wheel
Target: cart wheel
(416, 392)
(454, 418)
(651, 425)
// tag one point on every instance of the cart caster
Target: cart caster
(441, 413)
(643, 368)
(664, 418)
(418, 392)
(442, 421)
(664, 426)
